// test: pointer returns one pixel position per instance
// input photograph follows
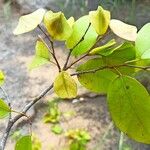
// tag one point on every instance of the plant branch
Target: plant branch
(86, 54)
(94, 70)
(138, 67)
(52, 47)
(11, 122)
(121, 141)
(76, 61)
(82, 39)
(110, 67)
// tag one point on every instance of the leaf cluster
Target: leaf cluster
(110, 69)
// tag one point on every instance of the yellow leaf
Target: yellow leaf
(2, 78)
(29, 22)
(123, 30)
(65, 86)
(57, 25)
(107, 46)
(100, 20)
(71, 21)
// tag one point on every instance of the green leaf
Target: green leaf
(57, 25)
(4, 109)
(2, 78)
(42, 55)
(79, 28)
(24, 143)
(57, 129)
(123, 30)
(100, 20)
(146, 54)
(142, 42)
(29, 22)
(65, 86)
(98, 81)
(123, 53)
(104, 48)
(129, 105)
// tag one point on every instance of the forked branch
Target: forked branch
(12, 121)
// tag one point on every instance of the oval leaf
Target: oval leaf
(4, 109)
(29, 22)
(123, 30)
(123, 53)
(142, 42)
(24, 143)
(146, 54)
(79, 28)
(100, 20)
(71, 21)
(57, 25)
(65, 86)
(42, 55)
(97, 81)
(104, 48)
(129, 105)
(2, 78)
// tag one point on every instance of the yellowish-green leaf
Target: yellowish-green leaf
(24, 143)
(4, 109)
(42, 50)
(37, 62)
(142, 42)
(100, 20)
(123, 30)
(124, 53)
(2, 78)
(146, 54)
(105, 47)
(57, 25)
(65, 86)
(42, 55)
(79, 29)
(29, 22)
(97, 81)
(129, 103)
(71, 21)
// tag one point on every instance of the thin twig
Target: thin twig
(110, 67)
(52, 47)
(95, 70)
(121, 141)
(138, 67)
(82, 39)
(11, 122)
(67, 60)
(86, 54)
(5, 94)
(76, 61)
(45, 44)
